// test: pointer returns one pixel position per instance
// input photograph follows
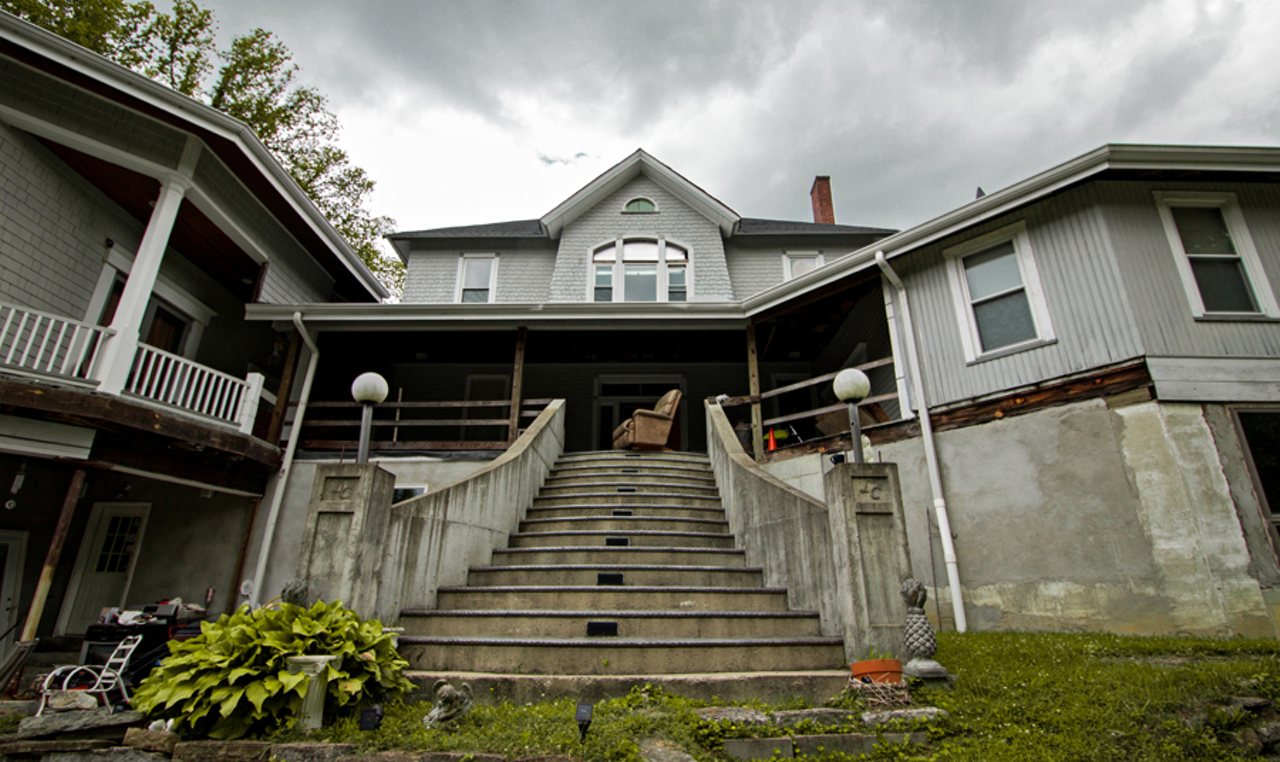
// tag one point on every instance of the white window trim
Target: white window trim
(792, 256)
(969, 338)
(493, 276)
(120, 261)
(627, 203)
(1240, 238)
(619, 281)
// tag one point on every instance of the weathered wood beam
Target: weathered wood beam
(51, 557)
(136, 416)
(517, 383)
(286, 387)
(340, 444)
(753, 386)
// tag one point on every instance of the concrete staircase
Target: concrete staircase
(624, 565)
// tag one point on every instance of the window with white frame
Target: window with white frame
(640, 205)
(797, 263)
(1215, 256)
(640, 270)
(1000, 305)
(477, 276)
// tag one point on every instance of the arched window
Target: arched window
(640, 206)
(640, 270)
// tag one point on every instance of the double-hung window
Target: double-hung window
(640, 270)
(1000, 305)
(477, 276)
(1215, 256)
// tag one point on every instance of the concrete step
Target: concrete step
(814, 686)
(621, 538)
(626, 499)
(622, 478)
(629, 488)
(592, 468)
(657, 457)
(595, 598)
(663, 511)
(559, 656)
(625, 524)
(629, 624)
(616, 574)
(619, 555)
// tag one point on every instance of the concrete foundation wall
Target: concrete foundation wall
(1087, 517)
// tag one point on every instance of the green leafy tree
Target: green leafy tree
(256, 82)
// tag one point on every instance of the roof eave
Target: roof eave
(90, 64)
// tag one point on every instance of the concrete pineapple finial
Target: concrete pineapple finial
(918, 639)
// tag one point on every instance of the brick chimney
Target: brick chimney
(820, 194)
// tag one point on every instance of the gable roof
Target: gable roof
(640, 163)
(754, 226)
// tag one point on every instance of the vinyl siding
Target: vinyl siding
(1147, 265)
(606, 221)
(1088, 306)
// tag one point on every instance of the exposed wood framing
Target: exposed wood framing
(51, 558)
(753, 377)
(93, 409)
(286, 387)
(340, 444)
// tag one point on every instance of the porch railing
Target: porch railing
(42, 343)
(399, 425)
(788, 442)
(169, 379)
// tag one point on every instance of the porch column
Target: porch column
(117, 357)
(517, 385)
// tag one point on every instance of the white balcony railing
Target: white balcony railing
(46, 344)
(172, 380)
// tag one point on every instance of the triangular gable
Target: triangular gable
(640, 163)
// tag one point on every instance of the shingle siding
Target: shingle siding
(53, 229)
(676, 221)
(524, 272)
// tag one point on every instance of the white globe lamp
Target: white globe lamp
(368, 389)
(851, 387)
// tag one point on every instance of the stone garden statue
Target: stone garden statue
(450, 704)
(918, 640)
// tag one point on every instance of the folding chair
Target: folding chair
(105, 678)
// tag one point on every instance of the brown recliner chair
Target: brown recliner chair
(648, 429)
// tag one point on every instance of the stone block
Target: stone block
(740, 715)
(458, 756)
(99, 723)
(790, 718)
(115, 754)
(385, 756)
(656, 750)
(916, 713)
(759, 748)
(311, 752)
(853, 744)
(40, 748)
(222, 751)
(151, 740)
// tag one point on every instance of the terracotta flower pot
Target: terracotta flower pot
(879, 670)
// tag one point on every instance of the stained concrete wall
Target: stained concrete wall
(282, 564)
(1087, 517)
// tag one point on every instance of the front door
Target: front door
(104, 566)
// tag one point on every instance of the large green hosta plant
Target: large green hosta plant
(233, 679)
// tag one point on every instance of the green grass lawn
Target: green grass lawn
(1019, 697)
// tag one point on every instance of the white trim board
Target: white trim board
(1215, 379)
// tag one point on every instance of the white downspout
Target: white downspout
(282, 479)
(930, 453)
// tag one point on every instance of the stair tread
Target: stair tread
(614, 642)
(593, 532)
(619, 567)
(631, 505)
(623, 548)
(617, 588)
(625, 614)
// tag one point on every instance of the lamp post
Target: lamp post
(851, 387)
(368, 389)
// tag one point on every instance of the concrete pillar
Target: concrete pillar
(872, 557)
(342, 552)
(117, 357)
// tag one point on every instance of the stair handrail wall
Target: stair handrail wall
(783, 530)
(432, 540)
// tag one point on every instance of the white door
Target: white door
(104, 566)
(13, 547)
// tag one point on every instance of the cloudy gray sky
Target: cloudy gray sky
(480, 111)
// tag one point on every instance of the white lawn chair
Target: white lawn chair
(100, 679)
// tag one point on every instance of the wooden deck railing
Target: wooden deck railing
(173, 380)
(791, 442)
(46, 344)
(396, 424)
